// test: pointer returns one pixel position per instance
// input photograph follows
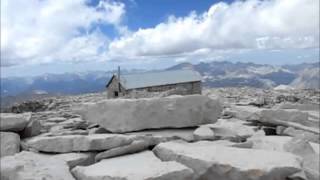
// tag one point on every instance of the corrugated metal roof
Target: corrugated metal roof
(133, 81)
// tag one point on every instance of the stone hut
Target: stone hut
(121, 85)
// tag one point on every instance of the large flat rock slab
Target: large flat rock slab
(140, 166)
(74, 159)
(301, 107)
(243, 112)
(9, 143)
(308, 151)
(29, 165)
(212, 161)
(126, 115)
(276, 143)
(289, 118)
(75, 143)
(234, 129)
(297, 133)
(14, 122)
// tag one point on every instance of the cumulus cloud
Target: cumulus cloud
(43, 31)
(39, 31)
(251, 24)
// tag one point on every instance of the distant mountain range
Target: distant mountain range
(58, 84)
(228, 74)
(215, 74)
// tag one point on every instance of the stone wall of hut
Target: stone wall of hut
(180, 88)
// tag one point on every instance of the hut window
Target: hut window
(116, 94)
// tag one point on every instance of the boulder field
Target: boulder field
(244, 135)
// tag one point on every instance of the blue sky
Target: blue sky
(57, 36)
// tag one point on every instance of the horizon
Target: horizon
(91, 35)
(141, 69)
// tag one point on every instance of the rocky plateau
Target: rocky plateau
(223, 134)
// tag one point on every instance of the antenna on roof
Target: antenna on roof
(119, 79)
(119, 73)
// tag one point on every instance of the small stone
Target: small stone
(203, 133)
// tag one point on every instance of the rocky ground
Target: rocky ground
(224, 134)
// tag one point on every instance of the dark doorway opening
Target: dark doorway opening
(116, 94)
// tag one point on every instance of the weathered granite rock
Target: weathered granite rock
(140, 166)
(311, 166)
(314, 115)
(290, 131)
(74, 159)
(28, 165)
(284, 115)
(211, 143)
(306, 150)
(56, 119)
(228, 163)
(134, 147)
(203, 133)
(315, 147)
(298, 176)
(156, 136)
(259, 102)
(48, 125)
(244, 112)
(152, 113)
(289, 118)
(280, 129)
(75, 123)
(56, 128)
(74, 143)
(274, 143)
(14, 122)
(66, 132)
(98, 130)
(301, 107)
(28, 106)
(33, 128)
(9, 143)
(233, 129)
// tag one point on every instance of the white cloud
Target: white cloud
(38, 31)
(251, 24)
(42, 31)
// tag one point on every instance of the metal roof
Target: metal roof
(133, 81)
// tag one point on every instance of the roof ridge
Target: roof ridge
(161, 71)
(141, 80)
